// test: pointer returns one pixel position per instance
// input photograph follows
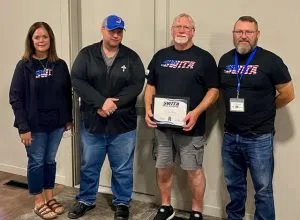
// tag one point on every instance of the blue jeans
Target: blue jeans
(256, 153)
(120, 151)
(41, 155)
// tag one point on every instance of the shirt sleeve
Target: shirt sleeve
(279, 71)
(17, 99)
(135, 85)
(151, 71)
(80, 82)
(68, 91)
(211, 77)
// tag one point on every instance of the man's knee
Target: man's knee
(195, 174)
(164, 174)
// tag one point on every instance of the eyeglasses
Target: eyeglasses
(184, 27)
(247, 33)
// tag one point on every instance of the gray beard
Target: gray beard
(243, 50)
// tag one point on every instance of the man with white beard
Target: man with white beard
(188, 73)
(254, 83)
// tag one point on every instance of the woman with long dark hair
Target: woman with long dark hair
(41, 98)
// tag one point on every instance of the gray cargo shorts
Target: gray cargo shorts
(190, 149)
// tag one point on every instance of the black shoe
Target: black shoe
(122, 212)
(165, 213)
(196, 216)
(79, 209)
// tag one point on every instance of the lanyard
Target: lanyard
(239, 78)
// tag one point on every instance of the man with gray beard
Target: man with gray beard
(181, 71)
(254, 83)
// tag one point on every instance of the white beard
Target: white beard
(181, 39)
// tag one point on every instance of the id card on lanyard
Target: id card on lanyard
(238, 104)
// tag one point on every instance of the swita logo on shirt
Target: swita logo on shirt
(251, 69)
(178, 64)
(43, 73)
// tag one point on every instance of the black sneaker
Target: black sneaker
(165, 213)
(122, 212)
(196, 216)
(79, 209)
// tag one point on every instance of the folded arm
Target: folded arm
(285, 94)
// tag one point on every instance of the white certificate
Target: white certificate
(170, 111)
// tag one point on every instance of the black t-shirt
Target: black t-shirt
(257, 89)
(187, 73)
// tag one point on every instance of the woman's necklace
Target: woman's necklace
(44, 67)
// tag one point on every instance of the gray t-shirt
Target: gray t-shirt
(108, 60)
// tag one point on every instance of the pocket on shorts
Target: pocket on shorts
(198, 146)
(199, 151)
(154, 148)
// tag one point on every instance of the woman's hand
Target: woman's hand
(68, 126)
(26, 138)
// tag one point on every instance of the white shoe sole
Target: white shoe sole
(172, 216)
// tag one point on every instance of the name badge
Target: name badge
(170, 111)
(237, 105)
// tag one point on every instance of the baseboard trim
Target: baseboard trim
(23, 172)
(209, 210)
(135, 195)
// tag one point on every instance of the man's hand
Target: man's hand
(149, 122)
(209, 99)
(191, 119)
(101, 113)
(109, 106)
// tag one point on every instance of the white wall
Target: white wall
(148, 25)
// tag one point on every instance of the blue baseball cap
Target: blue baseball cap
(113, 22)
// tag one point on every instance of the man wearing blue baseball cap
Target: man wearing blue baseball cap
(108, 77)
(113, 22)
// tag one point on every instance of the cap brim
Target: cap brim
(114, 28)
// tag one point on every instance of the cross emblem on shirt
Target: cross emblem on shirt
(123, 68)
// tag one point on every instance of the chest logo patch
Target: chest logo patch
(178, 64)
(251, 69)
(43, 73)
